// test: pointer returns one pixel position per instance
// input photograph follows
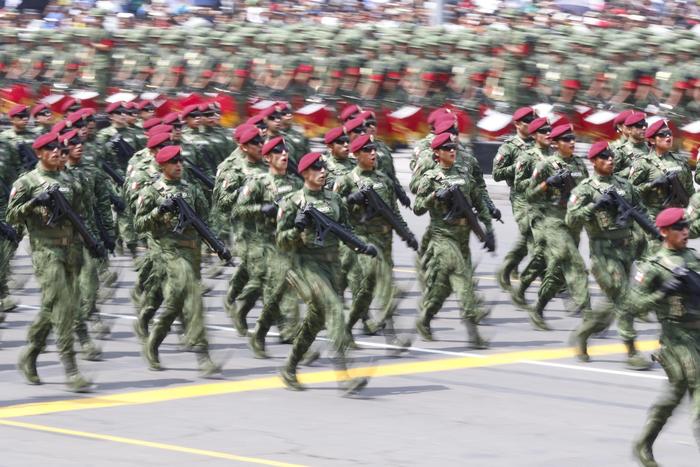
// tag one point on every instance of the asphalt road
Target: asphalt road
(524, 402)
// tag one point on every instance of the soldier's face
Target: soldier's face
(75, 153)
(604, 165)
(252, 150)
(172, 170)
(366, 158)
(675, 237)
(542, 139)
(663, 141)
(446, 157)
(50, 158)
(341, 149)
(315, 179)
(44, 118)
(566, 146)
(278, 161)
(20, 122)
(146, 114)
(273, 124)
(637, 133)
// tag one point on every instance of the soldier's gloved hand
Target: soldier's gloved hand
(118, 204)
(490, 242)
(671, 286)
(370, 250)
(443, 194)
(495, 213)
(659, 182)
(110, 244)
(604, 202)
(98, 251)
(168, 205)
(42, 199)
(556, 180)
(356, 198)
(269, 209)
(301, 221)
(403, 198)
(413, 243)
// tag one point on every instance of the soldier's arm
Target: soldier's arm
(692, 212)
(639, 177)
(288, 236)
(579, 208)
(343, 186)
(249, 200)
(537, 186)
(482, 209)
(103, 205)
(423, 164)
(503, 166)
(19, 206)
(147, 215)
(523, 172)
(201, 205)
(644, 295)
(425, 197)
(229, 192)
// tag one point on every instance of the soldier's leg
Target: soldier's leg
(437, 285)
(461, 281)
(237, 281)
(127, 233)
(276, 297)
(362, 284)
(289, 317)
(88, 284)
(535, 267)
(252, 290)
(518, 251)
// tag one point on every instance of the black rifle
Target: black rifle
(567, 184)
(29, 159)
(325, 224)
(676, 194)
(293, 167)
(376, 206)
(688, 282)
(61, 208)
(121, 147)
(8, 232)
(461, 208)
(198, 174)
(625, 212)
(208, 157)
(117, 202)
(188, 217)
(400, 192)
(107, 240)
(113, 174)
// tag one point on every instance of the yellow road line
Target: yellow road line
(317, 377)
(146, 444)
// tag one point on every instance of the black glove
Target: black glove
(42, 199)
(659, 182)
(671, 286)
(556, 180)
(490, 242)
(269, 209)
(413, 243)
(370, 250)
(301, 220)
(403, 198)
(603, 202)
(110, 244)
(356, 198)
(98, 251)
(118, 204)
(168, 205)
(443, 194)
(495, 213)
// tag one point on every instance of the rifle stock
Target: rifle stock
(113, 174)
(60, 209)
(461, 208)
(201, 176)
(625, 211)
(377, 206)
(188, 217)
(8, 232)
(29, 159)
(325, 224)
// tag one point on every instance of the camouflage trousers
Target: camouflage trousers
(564, 264)
(182, 296)
(524, 241)
(125, 226)
(240, 277)
(57, 269)
(611, 264)
(448, 268)
(89, 283)
(253, 262)
(316, 277)
(680, 358)
(7, 250)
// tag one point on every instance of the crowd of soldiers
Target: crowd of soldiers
(518, 63)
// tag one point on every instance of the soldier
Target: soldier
(337, 159)
(315, 272)
(636, 146)
(17, 140)
(291, 136)
(156, 212)
(667, 283)
(56, 255)
(372, 276)
(258, 203)
(611, 256)
(550, 187)
(43, 119)
(504, 165)
(446, 256)
(651, 174)
(620, 130)
(230, 183)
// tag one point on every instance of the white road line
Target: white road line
(634, 374)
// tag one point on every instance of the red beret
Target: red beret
(241, 72)
(571, 84)
(428, 76)
(248, 133)
(353, 123)
(305, 68)
(131, 105)
(17, 109)
(336, 74)
(681, 85)
(67, 104)
(171, 118)
(167, 153)
(445, 123)
(646, 80)
(38, 108)
(240, 129)
(333, 134)
(268, 111)
(360, 142)
(270, 145)
(158, 138)
(307, 160)
(207, 74)
(353, 71)
(159, 129)
(87, 111)
(522, 112)
(61, 126)
(114, 106)
(437, 114)
(44, 139)
(151, 122)
(366, 115)
(188, 110)
(560, 130)
(596, 148)
(655, 128)
(393, 75)
(536, 124)
(143, 104)
(74, 117)
(634, 118)
(377, 77)
(255, 119)
(669, 216)
(283, 105)
(440, 139)
(622, 116)
(64, 138)
(348, 111)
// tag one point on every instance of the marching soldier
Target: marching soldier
(337, 159)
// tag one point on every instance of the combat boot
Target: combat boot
(503, 278)
(536, 316)
(150, 348)
(398, 344)
(75, 381)
(257, 344)
(91, 352)
(580, 344)
(207, 367)
(27, 364)
(475, 341)
(214, 271)
(642, 451)
(3, 316)
(141, 330)
(108, 278)
(518, 296)
(310, 357)
(635, 360)
(101, 330)
(289, 373)
(371, 328)
(7, 304)
(481, 314)
(354, 386)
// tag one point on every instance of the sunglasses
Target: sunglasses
(342, 140)
(528, 119)
(664, 134)
(368, 148)
(64, 151)
(359, 130)
(257, 141)
(640, 125)
(605, 155)
(177, 126)
(567, 139)
(261, 126)
(318, 165)
(371, 122)
(52, 146)
(74, 141)
(80, 124)
(275, 116)
(45, 113)
(678, 226)
(22, 116)
(280, 148)
(176, 160)
(448, 147)
(545, 130)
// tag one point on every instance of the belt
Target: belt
(60, 241)
(193, 244)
